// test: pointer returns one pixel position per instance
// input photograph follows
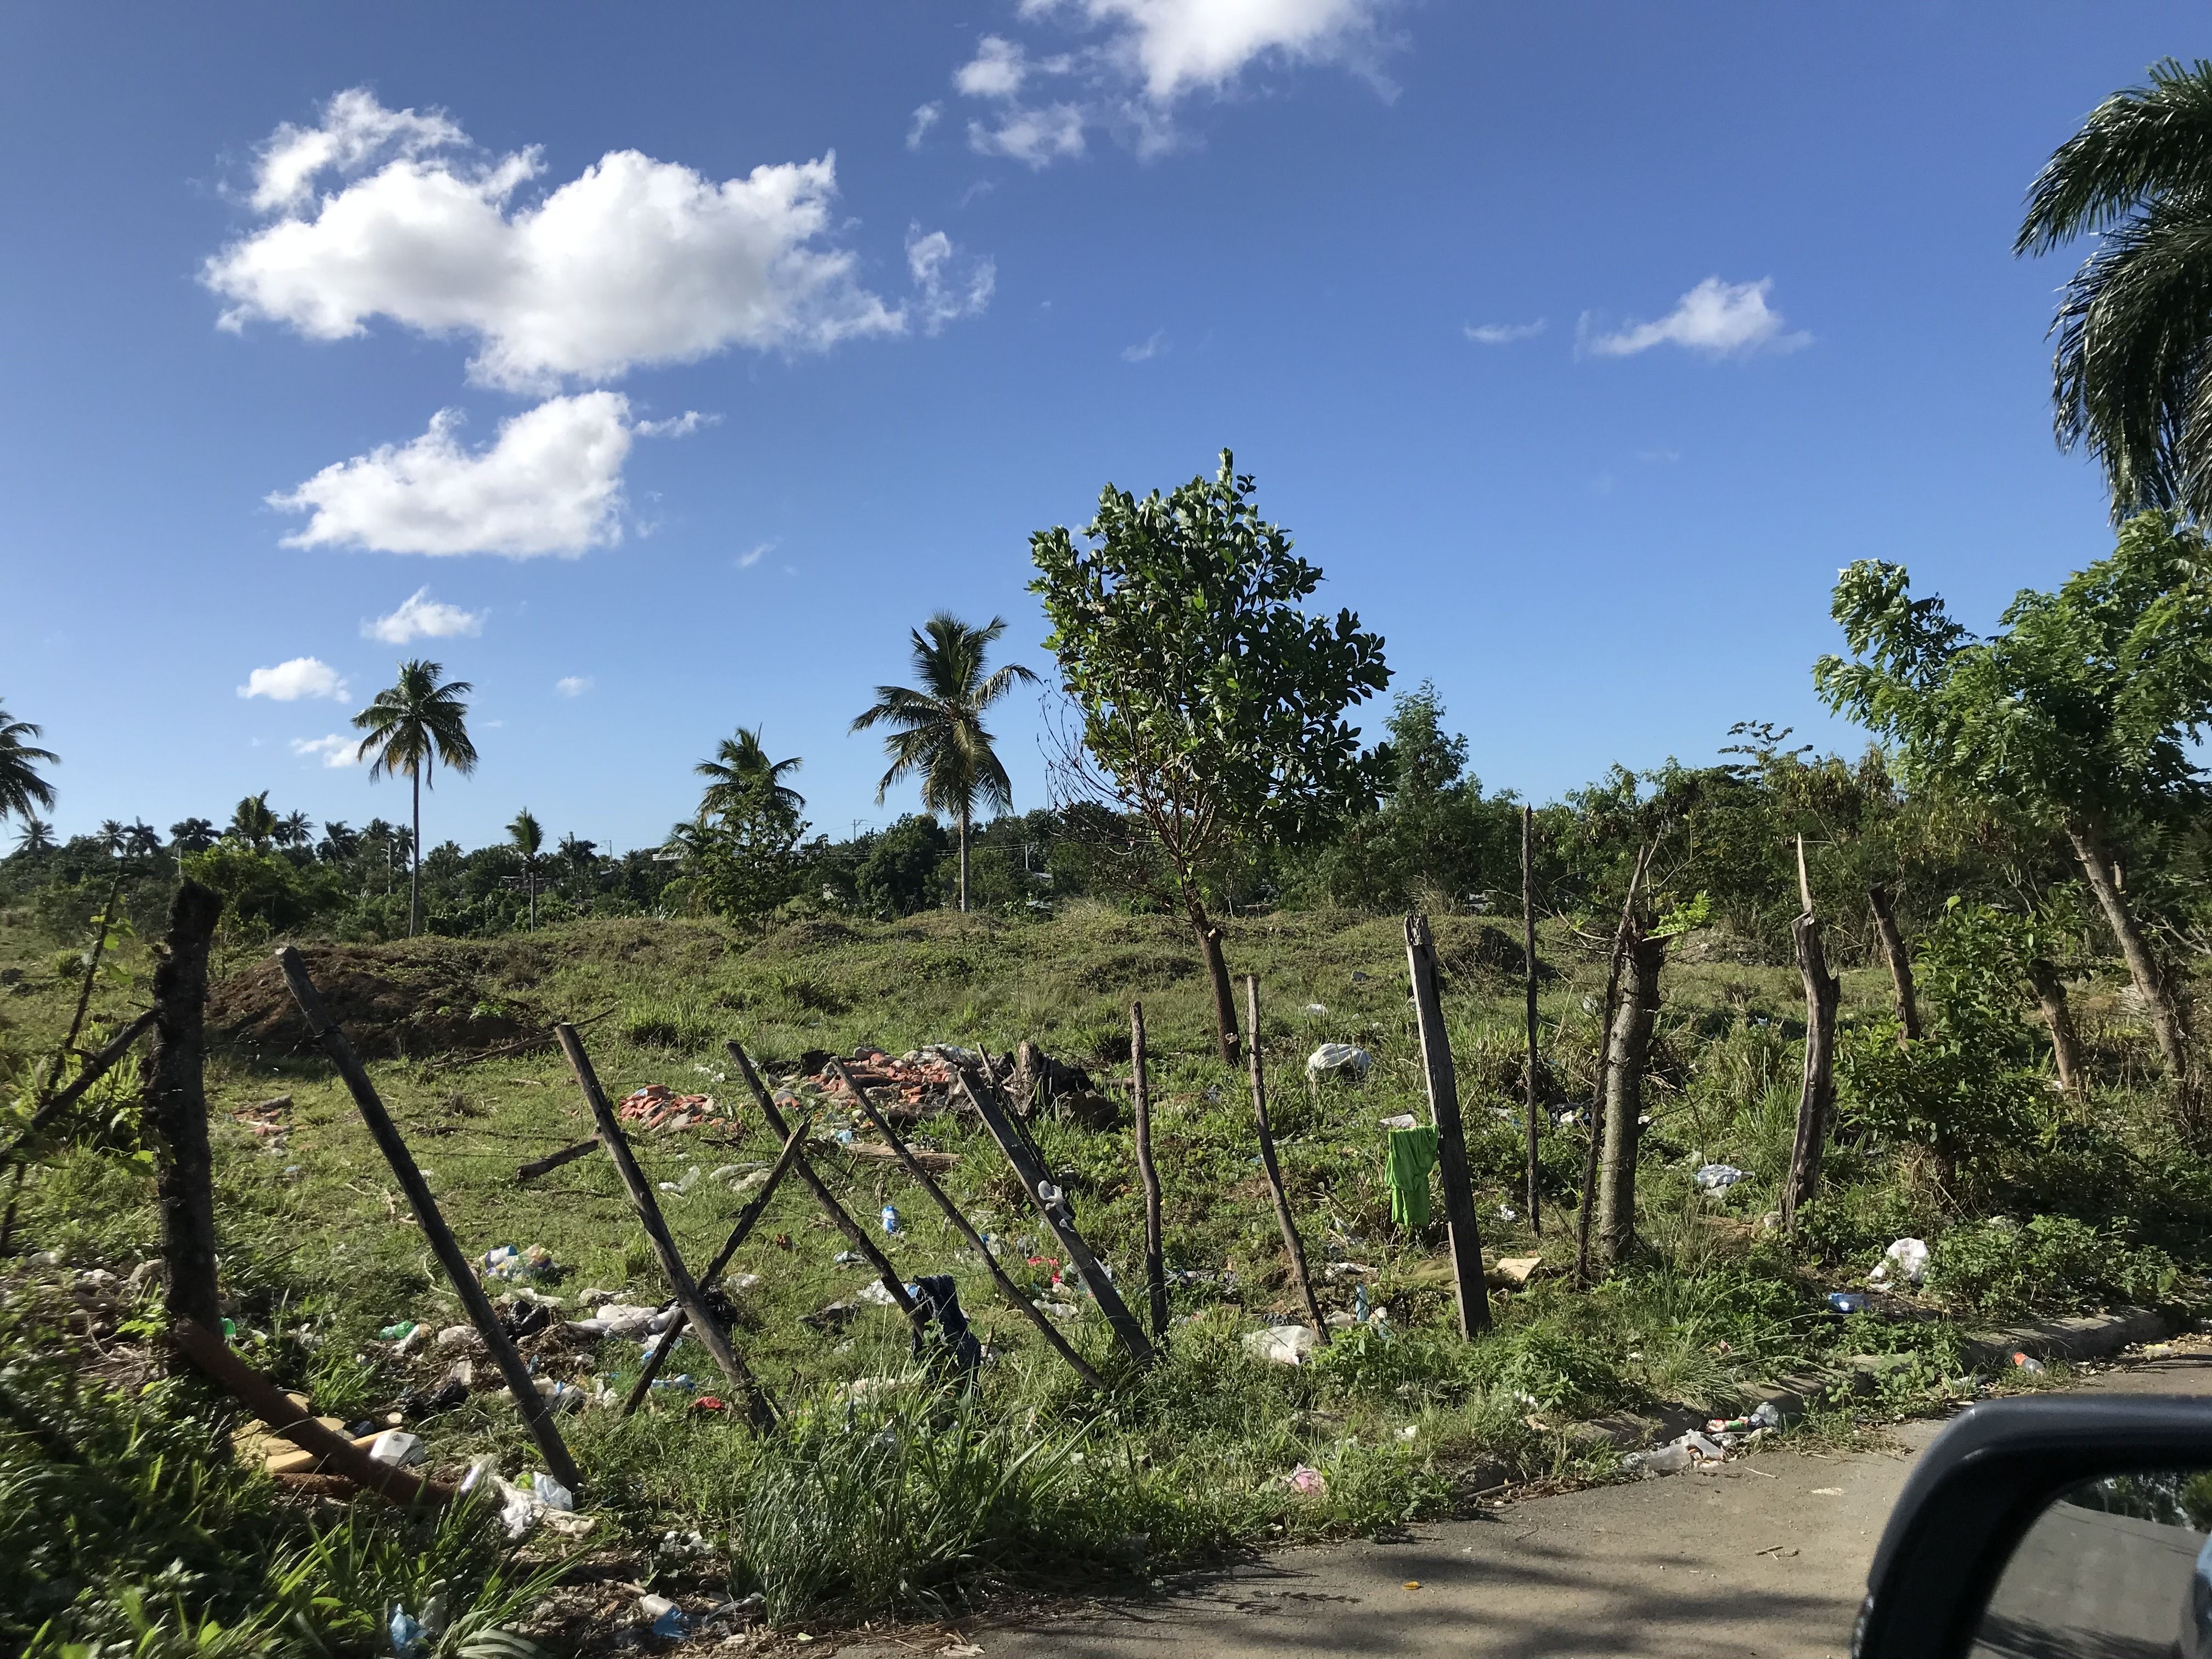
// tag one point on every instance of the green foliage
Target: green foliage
(263, 893)
(744, 861)
(21, 788)
(2054, 1264)
(899, 875)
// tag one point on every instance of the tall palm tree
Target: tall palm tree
(37, 835)
(252, 823)
(937, 730)
(141, 839)
(415, 722)
(113, 836)
(21, 787)
(2132, 374)
(528, 838)
(740, 764)
(294, 829)
(340, 841)
(192, 834)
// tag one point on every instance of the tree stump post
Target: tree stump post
(1528, 953)
(1442, 1083)
(177, 1108)
(1816, 1101)
(1155, 1278)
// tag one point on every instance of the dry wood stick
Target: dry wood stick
(748, 1218)
(710, 1334)
(1031, 1170)
(274, 1407)
(1604, 1058)
(1459, 1226)
(1007, 1288)
(1529, 950)
(1816, 1101)
(97, 1064)
(1293, 1249)
(553, 1161)
(536, 1415)
(1156, 1276)
(887, 1275)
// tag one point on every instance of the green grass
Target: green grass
(919, 1500)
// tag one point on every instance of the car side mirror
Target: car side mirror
(2032, 1528)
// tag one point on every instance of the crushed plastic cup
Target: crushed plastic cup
(1847, 1301)
(550, 1493)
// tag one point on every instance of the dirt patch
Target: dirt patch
(393, 1003)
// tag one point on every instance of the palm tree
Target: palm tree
(529, 839)
(192, 834)
(141, 840)
(741, 763)
(340, 841)
(252, 823)
(294, 829)
(21, 787)
(414, 724)
(937, 732)
(2132, 374)
(113, 836)
(37, 835)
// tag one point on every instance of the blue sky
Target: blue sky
(1579, 345)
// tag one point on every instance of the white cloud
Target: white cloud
(573, 685)
(1722, 319)
(1035, 137)
(997, 71)
(421, 617)
(1149, 350)
(288, 682)
(926, 115)
(759, 550)
(635, 261)
(1504, 333)
(950, 285)
(676, 426)
(550, 482)
(335, 750)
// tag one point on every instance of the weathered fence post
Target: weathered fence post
(1155, 1278)
(1460, 1227)
(1893, 952)
(1590, 1155)
(1294, 1249)
(176, 1107)
(1817, 1099)
(536, 1415)
(1528, 953)
(709, 1332)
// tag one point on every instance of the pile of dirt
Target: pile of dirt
(392, 1002)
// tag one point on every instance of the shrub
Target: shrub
(2053, 1264)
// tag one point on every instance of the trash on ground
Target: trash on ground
(1904, 1262)
(682, 1184)
(1507, 1213)
(1847, 1301)
(1398, 1121)
(408, 1636)
(1407, 1158)
(2029, 1363)
(550, 1493)
(876, 1291)
(1316, 1008)
(507, 1263)
(398, 1448)
(891, 1223)
(657, 1107)
(959, 1349)
(1282, 1345)
(1715, 1179)
(1516, 1270)
(1344, 1058)
(666, 1618)
(1306, 1479)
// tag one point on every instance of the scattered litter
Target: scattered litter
(551, 1493)
(1413, 1583)
(849, 1259)
(1906, 1260)
(876, 1291)
(1281, 1345)
(1518, 1270)
(2029, 1363)
(960, 1350)
(1308, 1479)
(398, 1333)
(1411, 1431)
(398, 1448)
(625, 1318)
(1339, 1057)
(408, 1636)
(1507, 1213)
(1715, 1179)
(1827, 1492)
(891, 1223)
(1408, 1157)
(1358, 978)
(1397, 1121)
(666, 1618)
(1847, 1301)
(2159, 1351)
(684, 1184)
(507, 1263)
(1316, 1008)
(656, 1106)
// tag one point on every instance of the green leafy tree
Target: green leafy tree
(937, 733)
(2134, 328)
(252, 823)
(418, 721)
(899, 875)
(742, 863)
(740, 763)
(194, 835)
(21, 788)
(1212, 703)
(528, 837)
(2079, 715)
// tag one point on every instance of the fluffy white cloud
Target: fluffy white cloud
(950, 285)
(1146, 349)
(550, 482)
(676, 426)
(754, 555)
(636, 261)
(334, 750)
(421, 617)
(288, 682)
(926, 115)
(997, 71)
(1722, 319)
(1504, 333)
(573, 685)
(1036, 137)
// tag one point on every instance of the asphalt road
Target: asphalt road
(1765, 1557)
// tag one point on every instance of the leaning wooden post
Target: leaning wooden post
(1528, 951)
(1294, 1250)
(1604, 1056)
(1893, 952)
(177, 1108)
(1156, 1275)
(748, 1218)
(1818, 1098)
(536, 1414)
(1451, 1135)
(890, 1278)
(1031, 1171)
(1007, 1288)
(704, 1326)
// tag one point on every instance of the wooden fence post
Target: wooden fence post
(1155, 1278)
(1466, 1238)
(1893, 952)
(1817, 1100)
(1528, 951)
(536, 1415)
(710, 1334)
(1294, 1249)
(1597, 1090)
(177, 1108)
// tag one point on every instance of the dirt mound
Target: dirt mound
(393, 1003)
